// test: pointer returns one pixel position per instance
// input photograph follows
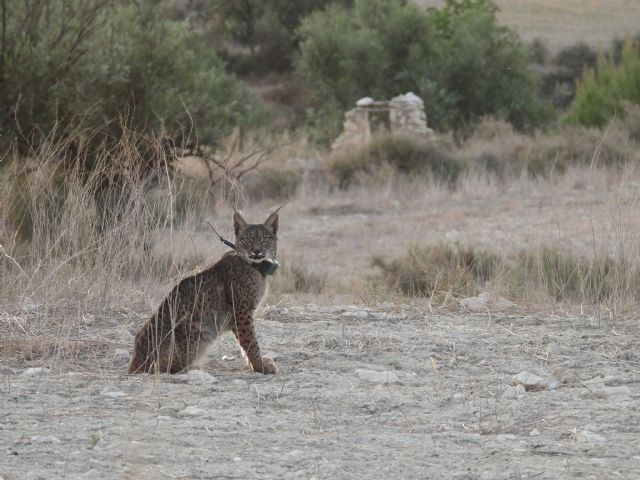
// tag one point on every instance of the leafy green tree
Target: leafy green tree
(457, 58)
(108, 65)
(601, 93)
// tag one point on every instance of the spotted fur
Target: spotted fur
(201, 307)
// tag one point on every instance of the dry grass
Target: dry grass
(561, 23)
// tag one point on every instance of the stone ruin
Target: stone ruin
(405, 116)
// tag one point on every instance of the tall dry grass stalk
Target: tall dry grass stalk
(86, 235)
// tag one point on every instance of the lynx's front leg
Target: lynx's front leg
(243, 329)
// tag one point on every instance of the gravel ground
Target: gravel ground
(392, 391)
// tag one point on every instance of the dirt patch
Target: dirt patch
(362, 393)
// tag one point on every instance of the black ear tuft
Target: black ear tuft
(272, 222)
(238, 222)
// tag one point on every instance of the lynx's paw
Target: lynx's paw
(268, 366)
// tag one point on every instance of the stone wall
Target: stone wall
(406, 116)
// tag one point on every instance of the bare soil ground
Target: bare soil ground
(438, 411)
(368, 387)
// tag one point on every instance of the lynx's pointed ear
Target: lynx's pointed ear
(238, 222)
(272, 222)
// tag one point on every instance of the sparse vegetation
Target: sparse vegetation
(444, 271)
(404, 154)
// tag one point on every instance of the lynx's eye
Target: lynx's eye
(267, 240)
(244, 242)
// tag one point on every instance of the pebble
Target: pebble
(44, 439)
(517, 393)
(228, 358)
(377, 377)
(534, 433)
(295, 456)
(113, 393)
(615, 394)
(591, 437)
(120, 356)
(529, 381)
(195, 377)
(192, 411)
(36, 371)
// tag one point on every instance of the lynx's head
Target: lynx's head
(256, 242)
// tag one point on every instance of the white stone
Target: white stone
(197, 377)
(228, 358)
(113, 393)
(377, 377)
(44, 439)
(529, 381)
(36, 371)
(534, 433)
(614, 394)
(591, 437)
(295, 456)
(516, 393)
(192, 411)
(365, 102)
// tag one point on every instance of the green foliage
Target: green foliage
(268, 28)
(110, 66)
(457, 58)
(404, 154)
(600, 94)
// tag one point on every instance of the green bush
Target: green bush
(457, 58)
(107, 67)
(405, 154)
(266, 28)
(600, 94)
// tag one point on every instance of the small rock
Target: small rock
(192, 411)
(534, 433)
(195, 377)
(518, 392)
(228, 358)
(591, 437)
(505, 437)
(529, 381)
(123, 336)
(615, 394)
(365, 101)
(566, 376)
(113, 393)
(237, 459)
(552, 384)
(377, 377)
(295, 456)
(36, 371)
(484, 301)
(120, 356)
(44, 439)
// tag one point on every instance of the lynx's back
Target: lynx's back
(202, 306)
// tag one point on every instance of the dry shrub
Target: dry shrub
(405, 155)
(273, 184)
(295, 277)
(549, 274)
(427, 271)
(496, 147)
(86, 234)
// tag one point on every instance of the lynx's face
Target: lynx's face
(256, 242)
